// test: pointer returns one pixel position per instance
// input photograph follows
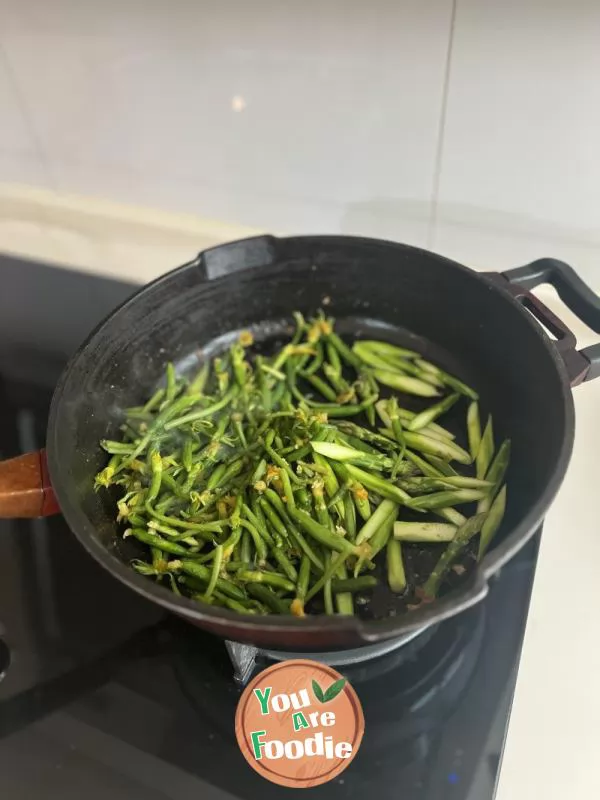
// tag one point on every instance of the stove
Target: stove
(104, 695)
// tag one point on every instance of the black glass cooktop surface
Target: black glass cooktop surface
(104, 696)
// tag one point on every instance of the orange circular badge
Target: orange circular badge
(299, 723)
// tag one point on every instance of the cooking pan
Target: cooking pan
(480, 326)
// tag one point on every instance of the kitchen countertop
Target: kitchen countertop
(554, 730)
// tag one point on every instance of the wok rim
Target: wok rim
(222, 620)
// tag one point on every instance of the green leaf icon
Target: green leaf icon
(331, 693)
(334, 690)
(318, 692)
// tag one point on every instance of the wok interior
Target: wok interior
(391, 291)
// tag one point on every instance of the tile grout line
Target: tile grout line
(25, 111)
(439, 152)
(41, 152)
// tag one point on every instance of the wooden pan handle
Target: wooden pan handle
(25, 489)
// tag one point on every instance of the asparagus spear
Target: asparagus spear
(492, 522)
(405, 383)
(495, 474)
(424, 532)
(432, 413)
(486, 449)
(471, 527)
(473, 428)
(395, 567)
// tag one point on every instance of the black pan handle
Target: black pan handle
(582, 365)
(227, 259)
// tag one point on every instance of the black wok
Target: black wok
(479, 326)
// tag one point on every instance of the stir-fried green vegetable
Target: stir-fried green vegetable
(264, 485)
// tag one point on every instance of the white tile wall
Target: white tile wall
(19, 155)
(337, 106)
(317, 117)
(520, 174)
(20, 162)
(15, 137)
